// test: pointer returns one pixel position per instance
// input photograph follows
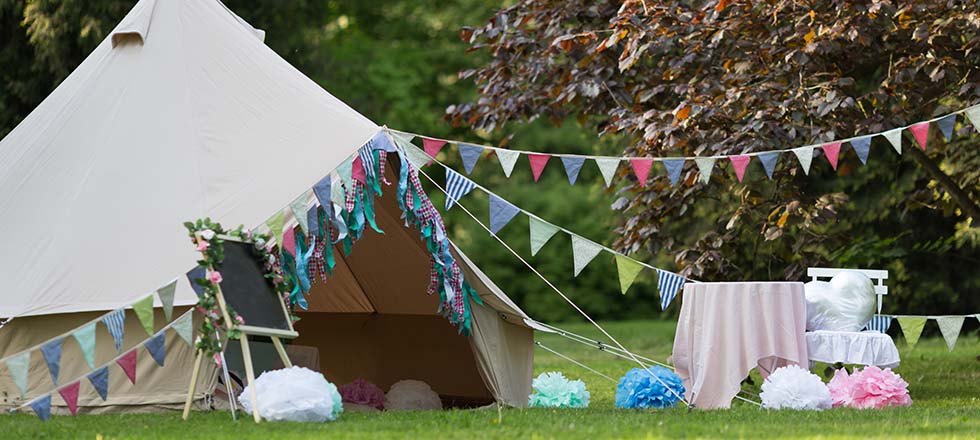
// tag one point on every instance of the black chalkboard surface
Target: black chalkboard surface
(247, 291)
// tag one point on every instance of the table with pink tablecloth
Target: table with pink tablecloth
(727, 329)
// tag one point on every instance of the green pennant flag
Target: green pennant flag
(541, 232)
(950, 327)
(583, 252)
(911, 328)
(298, 207)
(166, 295)
(184, 328)
(85, 337)
(628, 270)
(144, 311)
(19, 366)
(346, 170)
(275, 225)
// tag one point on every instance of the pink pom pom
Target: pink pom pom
(362, 392)
(870, 387)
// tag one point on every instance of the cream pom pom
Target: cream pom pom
(412, 395)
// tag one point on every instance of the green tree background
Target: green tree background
(397, 62)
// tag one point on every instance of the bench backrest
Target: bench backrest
(878, 278)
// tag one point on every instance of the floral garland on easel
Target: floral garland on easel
(206, 235)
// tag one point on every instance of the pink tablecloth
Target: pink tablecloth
(727, 329)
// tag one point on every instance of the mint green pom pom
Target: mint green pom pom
(553, 390)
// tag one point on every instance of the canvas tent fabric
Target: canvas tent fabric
(182, 113)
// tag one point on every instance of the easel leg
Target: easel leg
(193, 386)
(282, 352)
(250, 374)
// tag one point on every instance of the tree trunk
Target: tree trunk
(962, 199)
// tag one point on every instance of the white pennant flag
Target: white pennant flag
(541, 232)
(950, 327)
(607, 166)
(705, 166)
(973, 114)
(805, 155)
(583, 251)
(416, 156)
(507, 158)
(895, 138)
(298, 207)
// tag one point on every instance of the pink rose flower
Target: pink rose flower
(203, 245)
(215, 276)
(239, 319)
(217, 359)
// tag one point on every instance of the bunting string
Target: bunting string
(98, 377)
(558, 291)
(470, 153)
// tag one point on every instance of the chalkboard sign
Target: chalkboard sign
(245, 288)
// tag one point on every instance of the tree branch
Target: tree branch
(967, 205)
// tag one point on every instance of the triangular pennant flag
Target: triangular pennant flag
(920, 132)
(69, 393)
(128, 364)
(668, 283)
(416, 157)
(894, 137)
(911, 328)
(42, 407)
(946, 126)
(184, 326)
(573, 165)
(641, 167)
(52, 356)
(299, 211)
(832, 151)
(880, 323)
(862, 146)
(337, 194)
(166, 295)
(432, 146)
(740, 163)
(193, 275)
(289, 242)
(705, 166)
(155, 346)
(357, 171)
(501, 213)
(100, 381)
(805, 156)
(313, 219)
(469, 154)
(973, 114)
(628, 270)
(144, 311)
(674, 168)
(85, 337)
(275, 224)
(346, 172)
(115, 321)
(541, 232)
(950, 327)
(401, 138)
(607, 166)
(507, 160)
(18, 366)
(583, 251)
(457, 186)
(769, 160)
(538, 161)
(322, 189)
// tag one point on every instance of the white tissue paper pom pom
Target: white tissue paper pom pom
(412, 395)
(792, 387)
(294, 394)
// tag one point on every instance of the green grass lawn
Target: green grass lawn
(945, 389)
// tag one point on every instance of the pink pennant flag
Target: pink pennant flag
(832, 151)
(432, 146)
(538, 161)
(740, 163)
(70, 394)
(642, 169)
(357, 170)
(289, 241)
(128, 363)
(921, 133)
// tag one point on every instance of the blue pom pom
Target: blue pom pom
(553, 390)
(638, 389)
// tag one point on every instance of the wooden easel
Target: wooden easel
(246, 330)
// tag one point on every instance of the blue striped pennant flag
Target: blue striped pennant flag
(116, 322)
(879, 323)
(457, 186)
(367, 160)
(668, 283)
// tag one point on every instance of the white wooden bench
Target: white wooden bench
(878, 278)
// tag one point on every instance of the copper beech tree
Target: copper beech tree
(705, 78)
